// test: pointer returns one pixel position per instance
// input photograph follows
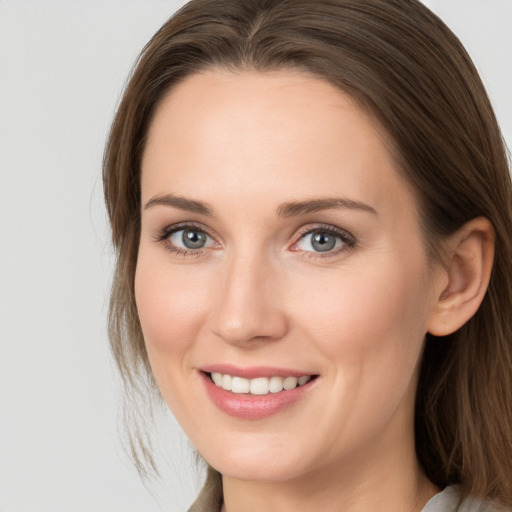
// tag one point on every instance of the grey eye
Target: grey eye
(320, 241)
(193, 239)
(190, 238)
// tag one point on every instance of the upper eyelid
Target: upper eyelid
(163, 237)
(298, 233)
(307, 228)
(184, 225)
(326, 228)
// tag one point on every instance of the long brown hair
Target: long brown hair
(401, 63)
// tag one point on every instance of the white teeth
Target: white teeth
(217, 378)
(226, 382)
(258, 386)
(275, 384)
(303, 380)
(239, 385)
(290, 383)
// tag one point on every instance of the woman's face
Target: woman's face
(279, 241)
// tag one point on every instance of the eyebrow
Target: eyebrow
(182, 203)
(289, 209)
(315, 205)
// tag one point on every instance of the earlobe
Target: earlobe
(467, 272)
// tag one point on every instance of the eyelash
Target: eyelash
(348, 240)
(164, 238)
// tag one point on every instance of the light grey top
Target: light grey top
(448, 500)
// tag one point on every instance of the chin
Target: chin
(265, 464)
(258, 472)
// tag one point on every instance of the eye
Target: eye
(323, 240)
(190, 238)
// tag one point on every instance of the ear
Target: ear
(464, 277)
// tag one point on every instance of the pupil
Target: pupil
(323, 242)
(193, 239)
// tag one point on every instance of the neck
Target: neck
(373, 482)
(386, 495)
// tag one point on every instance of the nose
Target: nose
(248, 305)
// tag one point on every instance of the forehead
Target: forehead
(239, 133)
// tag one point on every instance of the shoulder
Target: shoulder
(449, 500)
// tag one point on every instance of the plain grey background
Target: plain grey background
(62, 68)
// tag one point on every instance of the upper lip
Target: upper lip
(252, 372)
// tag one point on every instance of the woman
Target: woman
(311, 207)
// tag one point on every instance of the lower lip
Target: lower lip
(253, 407)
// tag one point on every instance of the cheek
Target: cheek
(371, 327)
(365, 300)
(171, 306)
(371, 323)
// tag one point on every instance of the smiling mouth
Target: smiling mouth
(260, 385)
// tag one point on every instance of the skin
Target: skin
(259, 295)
